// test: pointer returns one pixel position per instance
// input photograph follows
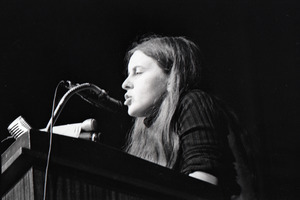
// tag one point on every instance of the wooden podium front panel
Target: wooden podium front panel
(23, 190)
(64, 187)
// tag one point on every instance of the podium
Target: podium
(86, 170)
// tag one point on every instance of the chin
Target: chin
(132, 112)
(135, 112)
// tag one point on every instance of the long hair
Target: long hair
(180, 59)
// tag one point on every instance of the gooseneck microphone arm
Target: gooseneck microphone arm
(99, 98)
(76, 89)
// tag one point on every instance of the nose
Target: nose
(127, 84)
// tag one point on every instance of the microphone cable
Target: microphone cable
(50, 141)
(7, 138)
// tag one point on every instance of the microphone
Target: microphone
(88, 130)
(98, 97)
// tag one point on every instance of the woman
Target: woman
(176, 124)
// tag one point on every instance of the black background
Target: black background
(251, 50)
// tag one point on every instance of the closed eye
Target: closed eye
(137, 70)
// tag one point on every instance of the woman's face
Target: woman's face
(145, 84)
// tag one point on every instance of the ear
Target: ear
(169, 84)
(173, 83)
(169, 87)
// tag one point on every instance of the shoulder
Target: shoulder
(196, 109)
(197, 99)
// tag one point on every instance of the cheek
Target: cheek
(154, 91)
(151, 86)
(159, 85)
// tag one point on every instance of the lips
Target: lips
(128, 100)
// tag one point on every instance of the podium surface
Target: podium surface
(87, 170)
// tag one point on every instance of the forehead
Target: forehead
(139, 59)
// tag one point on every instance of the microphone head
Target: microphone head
(89, 125)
